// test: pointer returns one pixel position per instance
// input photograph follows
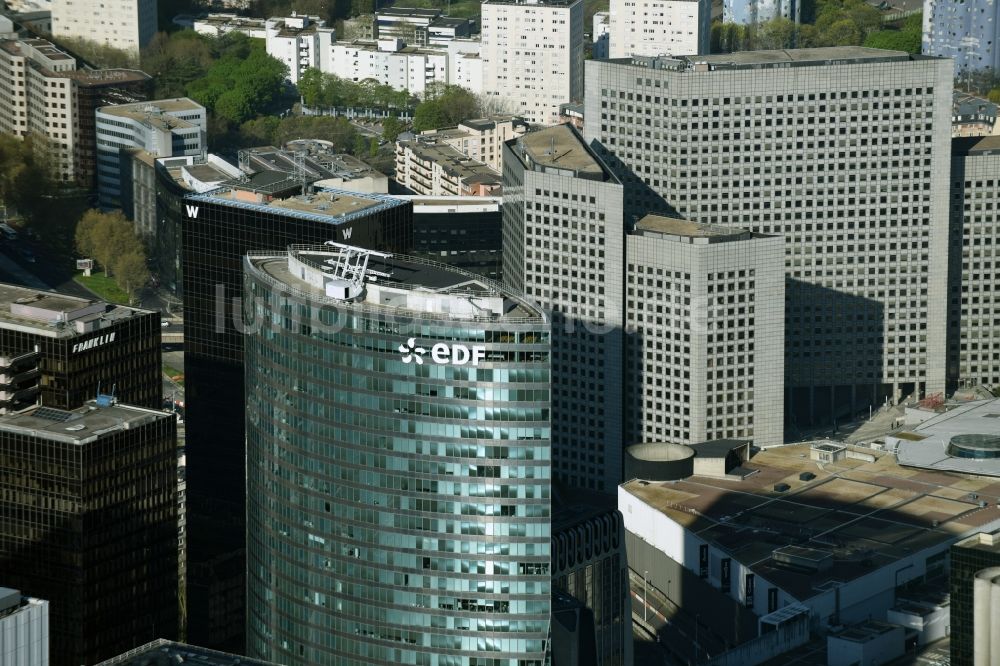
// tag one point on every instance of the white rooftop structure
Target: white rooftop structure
(965, 439)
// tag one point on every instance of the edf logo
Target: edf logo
(442, 354)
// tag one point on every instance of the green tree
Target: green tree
(360, 145)
(311, 86)
(131, 272)
(391, 128)
(994, 96)
(444, 106)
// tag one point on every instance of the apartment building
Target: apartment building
(533, 55)
(705, 319)
(844, 151)
(432, 168)
(390, 62)
(127, 25)
(481, 139)
(749, 12)
(300, 42)
(659, 27)
(966, 32)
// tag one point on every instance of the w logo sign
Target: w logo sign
(347, 233)
(192, 212)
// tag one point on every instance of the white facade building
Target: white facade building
(123, 24)
(533, 55)
(660, 27)
(24, 630)
(389, 62)
(216, 25)
(300, 42)
(705, 346)
(162, 128)
(749, 12)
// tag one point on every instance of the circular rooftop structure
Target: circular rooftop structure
(659, 461)
(974, 446)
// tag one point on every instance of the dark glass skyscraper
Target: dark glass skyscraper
(398, 464)
(219, 228)
(969, 557)
(88, 521)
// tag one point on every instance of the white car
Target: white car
(164, 323)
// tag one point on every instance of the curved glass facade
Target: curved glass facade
(398, 508)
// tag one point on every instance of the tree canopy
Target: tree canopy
(111, 241)
(241, 83)
(444, 106)
(837, 23)
(321, 90)
(905, 38)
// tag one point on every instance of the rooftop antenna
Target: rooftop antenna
(351, 264)
(300, 172)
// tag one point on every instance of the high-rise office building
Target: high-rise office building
(80, 346)
(973, 346)
(161, 128)
(89, 499)
(24, 629)
(564, 247)
(705, 333)
(218, 228)
(398, 466)
(659, 27)
(975, 566)
(845, 152)
(966, 32)
(127, 25)
(532, 53)
(751, 12)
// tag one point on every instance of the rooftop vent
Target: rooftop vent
(781, 487)
(806, 476)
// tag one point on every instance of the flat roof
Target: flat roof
(56, 304)
(987, 542)
(409, 11)
(99, 77)
(326, 204)
(926, 444)
(864, 631)
(772, 58)
(867, 515)
(979, 145)
(170, 653)
(561, 147)
(672, 226)
(78, 426)
(429, 279)
(156, 113)
(454, 163)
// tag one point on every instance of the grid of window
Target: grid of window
(845, 160)
(398, 513)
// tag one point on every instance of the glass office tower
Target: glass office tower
(398, 463)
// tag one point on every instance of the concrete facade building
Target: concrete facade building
(564, 246)
(162, 128)
(752, 12)
(966, 32)
(389, 62)
(533, 55)
(659, 27)
(973, 116)
(705, 333)
(481, 139)
(412, 559)
(300, 42)
(24, 629)
(429, 168)
(864, 214)
(974, 305)
(127, 25)
(975, 592)
(216, 25)
(92, 499)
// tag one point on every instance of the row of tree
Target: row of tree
(829, 23)
(321, 90)
(110, 239)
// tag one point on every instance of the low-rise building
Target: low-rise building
(481, 139)
(300, 42)
(24, 629)
(871, 642)
(216, 25)
(428, 167)
(162, 128)
(409, 24)
(836, 537)
(973, 116)
(464, 232)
